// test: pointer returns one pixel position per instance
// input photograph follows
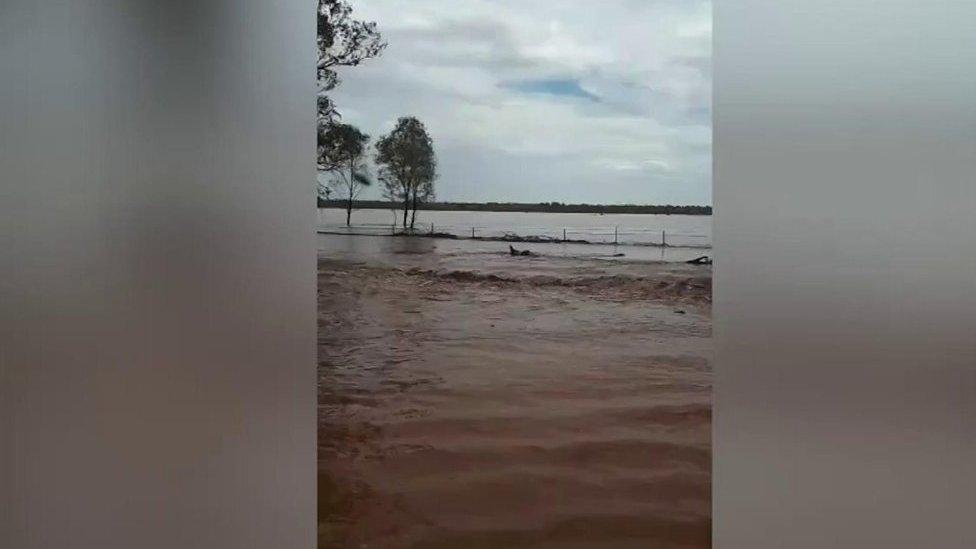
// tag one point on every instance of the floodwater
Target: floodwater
(473, 399)
(693, 231)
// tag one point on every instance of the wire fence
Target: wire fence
(627, 236)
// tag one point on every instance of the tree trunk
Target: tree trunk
(352, 192)
(406, 208)
(413, 216)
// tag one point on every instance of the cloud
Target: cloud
(629, 165)
(547, 100)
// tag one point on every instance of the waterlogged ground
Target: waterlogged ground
(481, 400)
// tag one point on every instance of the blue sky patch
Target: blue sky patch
(565, 87)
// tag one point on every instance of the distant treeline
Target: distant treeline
(551, 207)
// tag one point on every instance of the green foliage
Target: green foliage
(339, 145)
(342, 153)
(407, 164)
(343, 41)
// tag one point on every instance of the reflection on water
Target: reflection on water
(474, 399)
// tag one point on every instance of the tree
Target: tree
(395, 194)
(408, 165)
(342, 42)
(344, 155)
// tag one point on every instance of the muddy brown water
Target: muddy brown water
(483, 405)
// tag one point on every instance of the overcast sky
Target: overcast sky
(548, 100)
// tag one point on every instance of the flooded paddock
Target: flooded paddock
(469, 398)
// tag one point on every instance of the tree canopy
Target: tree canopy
(343, 41)
(340, 144)
(408, 165)
(342, 152)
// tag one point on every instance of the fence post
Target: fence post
(564, 235)
(472, 232)
(664, 241)
(615, 234)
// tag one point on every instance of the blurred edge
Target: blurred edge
(157, 274)
(845, 274)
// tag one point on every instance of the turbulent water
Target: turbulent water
(476, 399)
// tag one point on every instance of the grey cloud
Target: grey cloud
(486, 43)
(474, 71)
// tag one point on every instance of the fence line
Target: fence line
(515, 230)
(604, 235)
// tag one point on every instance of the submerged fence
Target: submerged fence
(626, 236)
